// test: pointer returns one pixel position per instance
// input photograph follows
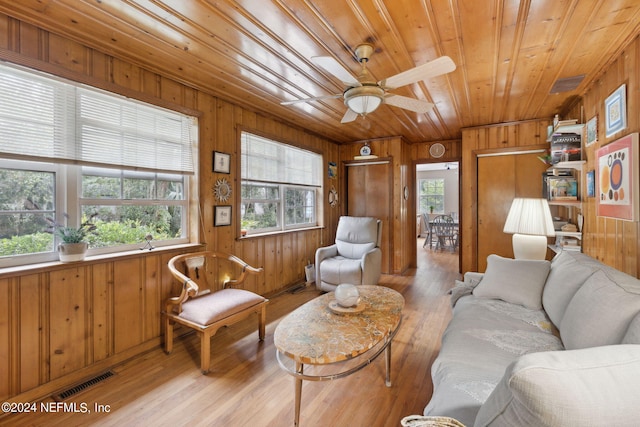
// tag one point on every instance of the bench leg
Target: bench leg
(205, 352)
(262, 321)
(168, 335)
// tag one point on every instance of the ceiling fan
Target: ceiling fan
(364, 95)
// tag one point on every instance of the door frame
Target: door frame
(472, 234)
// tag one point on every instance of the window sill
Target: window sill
(275, 233)
(95, 259)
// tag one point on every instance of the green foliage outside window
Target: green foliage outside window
(27, 200)
(431, 195)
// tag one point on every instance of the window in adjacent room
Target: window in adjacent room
(431, 194)
(280, 185)
(68, 151)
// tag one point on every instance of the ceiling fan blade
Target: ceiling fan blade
(317, 98)
(349, 116)
(438, 66)
(408, 103)
(334, 67)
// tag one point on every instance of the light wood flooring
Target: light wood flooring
(246, 386)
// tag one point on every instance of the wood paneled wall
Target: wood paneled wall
(489, 140)
(63, 322)
(402, 229)
(404, 157)
(60, 323)
(614, 242)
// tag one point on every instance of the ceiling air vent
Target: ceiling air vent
(567, 84)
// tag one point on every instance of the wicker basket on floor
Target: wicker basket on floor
(422, 421)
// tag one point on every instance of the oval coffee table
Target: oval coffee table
(314, 334)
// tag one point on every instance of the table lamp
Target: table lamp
(530, 222)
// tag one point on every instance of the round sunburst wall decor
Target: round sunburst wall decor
(222, 190)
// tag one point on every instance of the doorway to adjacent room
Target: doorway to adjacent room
(438, 194)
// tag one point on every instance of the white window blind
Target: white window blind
(44, 118)
(264, 160)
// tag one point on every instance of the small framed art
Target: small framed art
(615, 111)
(221, 162)
(592, 130)
(591, 183)
(221, 215)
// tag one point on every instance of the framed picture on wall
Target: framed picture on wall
(615, 111)
(221, 162)
(221, 215)
(592, 130)
(618, 179)
(591, 183)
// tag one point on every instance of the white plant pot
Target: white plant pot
(70, 252)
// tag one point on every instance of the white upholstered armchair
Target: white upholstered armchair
(355, 257)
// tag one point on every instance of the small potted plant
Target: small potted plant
(73, 245)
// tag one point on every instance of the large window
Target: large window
(70, 152)
(280, 184)
(431, 195)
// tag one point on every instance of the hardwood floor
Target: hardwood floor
(246, 387)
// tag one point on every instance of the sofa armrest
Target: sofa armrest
(372, 267)
(322, 254)
(472, 278)
(594, 386)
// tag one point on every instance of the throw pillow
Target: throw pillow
(591, 387)
(518, 281)
(566, 276)
(599, 313)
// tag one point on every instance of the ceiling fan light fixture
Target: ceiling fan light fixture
(364, 99)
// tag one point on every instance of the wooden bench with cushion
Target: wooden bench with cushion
(206, 310)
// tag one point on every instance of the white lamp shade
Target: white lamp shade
(529, 216)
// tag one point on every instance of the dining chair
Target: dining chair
(445, 231)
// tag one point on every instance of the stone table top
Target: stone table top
(314, 334)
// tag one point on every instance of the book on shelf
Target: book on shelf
(566, 147)
(562, 188)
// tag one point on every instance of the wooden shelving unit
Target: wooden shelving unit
(565, 241)
(569, 240)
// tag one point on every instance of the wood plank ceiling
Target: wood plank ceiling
(256, 53)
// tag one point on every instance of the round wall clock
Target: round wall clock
(437, 150)
(222, 190)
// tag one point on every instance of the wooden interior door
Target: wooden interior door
(501, 178)
(369, 190)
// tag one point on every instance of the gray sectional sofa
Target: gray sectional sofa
(539, 343)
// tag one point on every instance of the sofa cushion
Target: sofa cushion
(483, 337)
(338, 270)
(353, 250)
(599, 313)
(565, 278)
(517, 281)
(214, 306)
(590, 387)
